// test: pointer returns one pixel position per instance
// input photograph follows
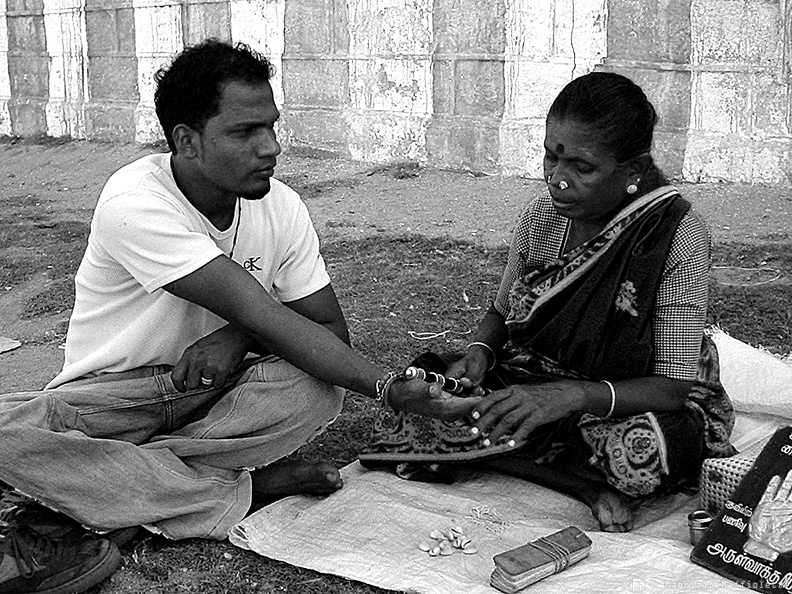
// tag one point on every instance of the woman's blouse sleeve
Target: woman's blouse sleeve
(681, 305)
(514, 264)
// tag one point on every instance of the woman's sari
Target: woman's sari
(588, 315)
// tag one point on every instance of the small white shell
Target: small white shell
(470, 550)
(437, 535)
(448, 551)
(424, 547)
(434, 551)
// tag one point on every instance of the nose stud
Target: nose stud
(562, 185)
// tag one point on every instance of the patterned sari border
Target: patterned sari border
(661, 442)
(580, 260)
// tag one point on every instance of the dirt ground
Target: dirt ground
(54, 186)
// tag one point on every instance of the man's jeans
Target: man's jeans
(128, 449)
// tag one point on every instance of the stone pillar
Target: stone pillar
(28, 67)
(739, 130)
(316, 75)
(64, 26)
(468, 84)
(5, 83)
(202, 19)
(650, 42)
(390, 79)
(112, 70)
(548, 43)
(260, 24)
(158, 37)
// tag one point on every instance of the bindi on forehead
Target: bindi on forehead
(560, 148)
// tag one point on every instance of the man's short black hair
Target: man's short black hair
(189, 90)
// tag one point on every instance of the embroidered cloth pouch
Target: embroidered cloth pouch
(405, 437)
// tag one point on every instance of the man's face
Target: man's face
(238, 145)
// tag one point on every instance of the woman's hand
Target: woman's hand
(472, 366)
(419, 397)
(519, 409)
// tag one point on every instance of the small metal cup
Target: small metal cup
(698, 522)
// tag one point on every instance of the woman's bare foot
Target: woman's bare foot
(295, 478)
(614, 511)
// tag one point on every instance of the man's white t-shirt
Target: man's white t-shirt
(144, 235)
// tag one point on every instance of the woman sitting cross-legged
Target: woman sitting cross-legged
(602, 383)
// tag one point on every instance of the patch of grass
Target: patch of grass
(776, 252)
(308, 189)
(759, 314)
(42, 139)
(157, 566)
(56, 297)
(397, 170)
(13, 273)
(406, 294)
(33, 244)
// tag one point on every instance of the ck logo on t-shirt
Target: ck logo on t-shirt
(250, 264)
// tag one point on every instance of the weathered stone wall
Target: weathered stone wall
(451, 83)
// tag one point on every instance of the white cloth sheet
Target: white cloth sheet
(369, 530)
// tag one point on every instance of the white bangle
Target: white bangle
(489, 348)
(613, 398)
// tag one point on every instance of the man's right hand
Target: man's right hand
(208, 362)
(422, 398)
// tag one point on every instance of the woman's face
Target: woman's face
(595, 185)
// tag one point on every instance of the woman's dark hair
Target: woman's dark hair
(617, 111)
(188, 92)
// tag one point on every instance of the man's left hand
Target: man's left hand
(208, 362)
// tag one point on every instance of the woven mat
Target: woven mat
(369, 532)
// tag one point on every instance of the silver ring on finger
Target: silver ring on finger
(206, 381)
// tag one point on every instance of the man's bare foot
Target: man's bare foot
(281, 479)
(614, 511)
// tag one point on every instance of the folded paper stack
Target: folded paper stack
(522, 566)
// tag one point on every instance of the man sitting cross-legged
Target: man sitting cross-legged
(196, 259)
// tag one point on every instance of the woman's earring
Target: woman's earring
(632, 189)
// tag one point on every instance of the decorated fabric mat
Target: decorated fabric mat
(370, 531)
(407, 437)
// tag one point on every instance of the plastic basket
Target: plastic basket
(719, 479)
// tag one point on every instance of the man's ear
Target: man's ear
(187, 141)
